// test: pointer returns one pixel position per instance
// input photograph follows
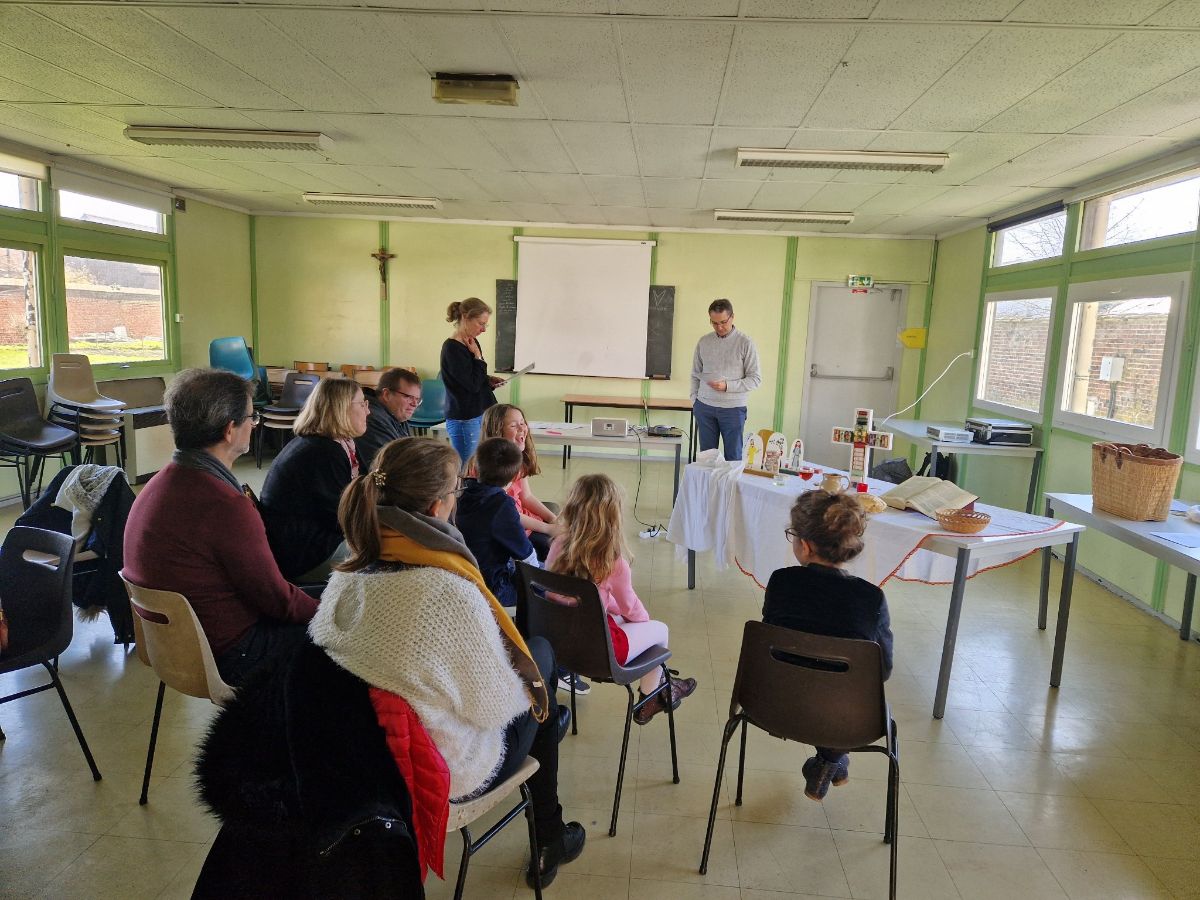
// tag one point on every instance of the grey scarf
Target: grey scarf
(205, 462)
(427, 531)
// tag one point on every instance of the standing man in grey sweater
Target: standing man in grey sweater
(724, 371)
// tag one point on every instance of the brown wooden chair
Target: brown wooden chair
(301, 366)
(350, 370)
(817, 690)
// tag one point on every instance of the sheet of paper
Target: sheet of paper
(517, 374)
(1182, 538)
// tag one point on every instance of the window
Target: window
(99, 211)
(20, 336)
(1012, 358)
(18, 192)
(1154, 210)
(1040, 239)
(1121, 341)
(114, 310)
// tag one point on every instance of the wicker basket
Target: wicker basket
(962, 521)
(1134, 481)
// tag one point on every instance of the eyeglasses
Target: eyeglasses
(415, 398)
(791, 534)
(362, 402)
(460, 485)
(254, 417)
(718, 323)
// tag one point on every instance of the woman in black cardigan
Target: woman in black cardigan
(464, 372)
(300, 496)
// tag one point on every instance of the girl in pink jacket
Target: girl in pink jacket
(591, 545)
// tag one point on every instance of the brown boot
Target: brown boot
(680, 688)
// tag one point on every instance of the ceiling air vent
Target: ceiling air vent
(373, 200)
(227, 137)
(869, 160)
(780, 215)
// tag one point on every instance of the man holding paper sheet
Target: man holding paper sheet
(724, 371)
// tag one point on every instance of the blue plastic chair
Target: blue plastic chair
(432, 410)
(232, 354)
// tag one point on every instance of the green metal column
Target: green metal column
(785, 330)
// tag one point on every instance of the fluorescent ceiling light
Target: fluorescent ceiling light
(373, 200)
(493, 90)
(871, 160)
(782, 215)
(227, 137)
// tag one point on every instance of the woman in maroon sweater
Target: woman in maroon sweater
(193, 531)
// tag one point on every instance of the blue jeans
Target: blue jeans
(464, 436)
(712, 421)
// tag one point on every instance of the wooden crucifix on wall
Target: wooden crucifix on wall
(862, 441)
(382, 256)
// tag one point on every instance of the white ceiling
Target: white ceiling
(630, 110)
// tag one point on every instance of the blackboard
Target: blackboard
(660, 328)
(506, 324)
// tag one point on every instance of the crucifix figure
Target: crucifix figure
(383, 256)
(862, 440)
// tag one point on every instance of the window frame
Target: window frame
(43, 324)
(1014, 412)
(1129, 191)
(998, 235)
(1174, 284)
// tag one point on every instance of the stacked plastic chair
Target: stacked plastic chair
(282, 416)
(73, 401)
(26, 439)
(233, 355)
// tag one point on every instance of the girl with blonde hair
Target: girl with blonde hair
(591, 545)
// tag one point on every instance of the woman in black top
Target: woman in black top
(304, 485)
(464, 372)
(820, 597)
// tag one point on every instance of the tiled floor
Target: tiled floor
(1021, 791)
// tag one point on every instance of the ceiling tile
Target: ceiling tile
(1015, 198)
(886, 70)
(536, 212)
(569, 190)
(354, 45)
(945, 10)
(723, 146)
(24, 69)
(901, 198)
(635, 216)
(1188, 132)
(261, 50)
(579, 214)
(777, 70)
(48, 123)
(340, 179)
(600, 149)
(1144, 61)
(976, 154)
(508, 187)
(1181, 12)
(1087, 12)
(452, 184)
(915, 141)
(671, 192)
(16, 91)
(138, 36)
(550, 6)
(808, 9)
(674, 7)
(456, 143)
(682, 218)
(573, 67)
(837, 197)
(785, 195)
(674, 69)
(1058, 155)
(368, 140)
(613, 191)
(398, 180)
(465, 209)
(1109, 163)
(529, 146)
(672, 151)
(959, 199)
(727, 194)
(910, 225)
(1002, 69)
(1166, 107)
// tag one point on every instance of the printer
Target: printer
(1001, 431)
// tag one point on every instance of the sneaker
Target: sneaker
(563, 849)
(819, 773)
(582, 688)
(680, 689)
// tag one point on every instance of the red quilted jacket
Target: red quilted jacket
(424, 771)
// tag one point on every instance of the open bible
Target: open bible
(927, 495)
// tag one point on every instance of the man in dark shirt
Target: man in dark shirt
(396, 398)
(193, 531)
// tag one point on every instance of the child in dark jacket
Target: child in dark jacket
(489, 521)
(820, 597)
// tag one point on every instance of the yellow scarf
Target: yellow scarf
(396, 547)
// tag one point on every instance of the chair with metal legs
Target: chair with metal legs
(816, 690)
(583, 644)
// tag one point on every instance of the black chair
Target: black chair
(577, 629)
(26, 439)
(817, 690)
(282, 416)
(35, 580)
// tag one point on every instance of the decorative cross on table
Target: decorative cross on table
(862, 440)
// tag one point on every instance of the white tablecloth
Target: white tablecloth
(741, 518)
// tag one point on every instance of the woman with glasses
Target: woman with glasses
(409, 613)
(302, 489)
(192, 530)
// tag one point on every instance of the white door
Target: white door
(853, 361)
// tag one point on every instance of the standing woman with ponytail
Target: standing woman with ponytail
(409, 614)
(464, 372)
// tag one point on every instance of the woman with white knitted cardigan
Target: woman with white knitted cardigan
(408, 612)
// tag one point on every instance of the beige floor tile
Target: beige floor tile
(1058, 734)
(1063, 823)
(577, 886)
(657, 794)
(787, 857)
(123, 868)
(866, 860)
(992, 872)
(942, 764)
(30, 858)
(482, 881)
(861, 806)
(962, 814)
(775, 798)
(1180, 876)
(1115, 778)
(668, 848)
(1022, 771)
(1103, 876)
(1154, 829)
(988, 728)
(172, 813)
(641, 889)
